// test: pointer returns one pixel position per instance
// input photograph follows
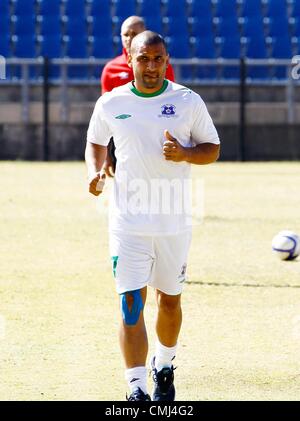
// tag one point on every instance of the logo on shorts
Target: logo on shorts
(181, 277)
(168, 111)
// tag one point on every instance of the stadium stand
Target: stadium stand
(24, 8)
(202, 29)
(179, 9)
(226, 8)
(51, 8)
(251, 8)
(148, 8)
(123, 9)
(201, 9)
(100, 8)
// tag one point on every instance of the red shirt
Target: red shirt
(117, 72)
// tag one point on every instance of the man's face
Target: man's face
(128, 32)
(149, 64)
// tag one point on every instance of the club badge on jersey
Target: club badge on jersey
(168, 110)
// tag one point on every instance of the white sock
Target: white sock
(136, 377)
(164, 355)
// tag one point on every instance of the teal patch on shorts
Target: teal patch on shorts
(114, 260)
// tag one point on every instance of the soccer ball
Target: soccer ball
(286, 245)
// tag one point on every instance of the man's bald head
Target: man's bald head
(131, 27)
(132, 21)
(146, 38)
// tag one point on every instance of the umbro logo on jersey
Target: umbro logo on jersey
(123, 116)
(168, 110)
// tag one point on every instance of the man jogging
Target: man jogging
(159, 129)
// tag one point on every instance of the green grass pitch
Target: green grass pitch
(59, 314)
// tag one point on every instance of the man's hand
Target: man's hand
(108, 166)
(96, 183)
(172, 149)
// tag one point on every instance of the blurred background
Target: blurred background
(239, 55)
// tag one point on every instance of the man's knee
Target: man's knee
(131, 306)
(169, 303)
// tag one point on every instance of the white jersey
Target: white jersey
(150, 192)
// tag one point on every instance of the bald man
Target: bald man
(160, 128)
(117, 73)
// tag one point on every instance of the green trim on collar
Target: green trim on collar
(161, 90)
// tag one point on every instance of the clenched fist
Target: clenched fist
(96, 183)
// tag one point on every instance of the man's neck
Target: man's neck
(144, 92)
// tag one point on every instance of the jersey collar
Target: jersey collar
(160, 91)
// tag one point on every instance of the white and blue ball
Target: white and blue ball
(286, 245)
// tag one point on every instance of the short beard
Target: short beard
(151, 85)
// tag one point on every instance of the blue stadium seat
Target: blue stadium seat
(281, 49)
(4, 25)
(150, 8)
(296, 8)
(101, 26)
(252, 26)
(154, 23)
(4, 7)
(76, 26)
(201, 9)
(256, 48)
(205, 48)
(177, 25)
(231, 49)
(24, 25)
(226, 8)
(276, 8)
(251, 8)
(278, 26)
(175, 8)
(50, 8)
(102, 47)
(5, 49)
(296, 27)
(25, 46)
(50, 25)
(228, 27)
(201, 27)
(101, 8)
(179, 47)
(24, 7)
(77, 48)
(51, 47)
(125, 8)
(75, 8)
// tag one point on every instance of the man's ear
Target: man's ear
(129, 60)
(168, 60)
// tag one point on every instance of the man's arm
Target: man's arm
(202, 154)
(94, 157)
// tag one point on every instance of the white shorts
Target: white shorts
(158, 261)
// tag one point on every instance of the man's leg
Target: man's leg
(133, 337)
(169, 318)
(134, 342)
(168, 324)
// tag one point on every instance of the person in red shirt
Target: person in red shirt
(117, 73)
